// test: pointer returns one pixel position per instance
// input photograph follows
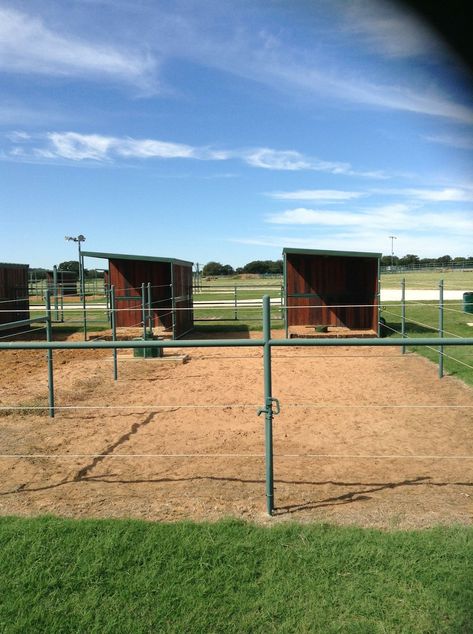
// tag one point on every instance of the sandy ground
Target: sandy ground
(345, 412)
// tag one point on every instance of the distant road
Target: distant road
(394, 294)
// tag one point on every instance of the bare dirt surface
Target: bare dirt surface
(347, 415)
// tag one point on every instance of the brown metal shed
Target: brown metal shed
(66, 281)
(15, 304)
(337, 289)
(171, 290)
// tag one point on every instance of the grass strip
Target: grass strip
(59, 575)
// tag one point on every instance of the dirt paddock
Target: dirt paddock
(345, 414)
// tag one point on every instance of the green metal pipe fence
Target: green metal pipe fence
(271, 405)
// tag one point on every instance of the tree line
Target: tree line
(260, 267)
(274, 267)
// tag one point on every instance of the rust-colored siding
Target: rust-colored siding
(182, 281)
(332, 290)
(127, 277)
(14, 287)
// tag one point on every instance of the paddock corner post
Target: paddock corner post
(267, 410)
(49, 338)
(441, 328)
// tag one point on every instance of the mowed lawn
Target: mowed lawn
(117, 576)
(422, 320)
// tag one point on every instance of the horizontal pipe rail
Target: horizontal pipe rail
(232, 343)
(22, 322)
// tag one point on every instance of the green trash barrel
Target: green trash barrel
(468, 303)
(148, 353)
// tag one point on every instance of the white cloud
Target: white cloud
(277, 160)
(327, 195)
(27, 45)
(75, 146)
(395, 217)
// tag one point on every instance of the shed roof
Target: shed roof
(11, 265)
(124, 256)
(348, 254)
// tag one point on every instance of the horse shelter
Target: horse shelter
(14, 306)
(166, 283)
(331, 293)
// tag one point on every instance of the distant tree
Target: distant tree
(216, 268)
(445, 259)
(227, 270)
(388, 260)
(38, 274)
(70, 265)
(409, 259)
(264, 267)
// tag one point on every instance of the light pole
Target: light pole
(80, 238)
(392, 249)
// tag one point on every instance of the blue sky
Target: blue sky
(226, 130)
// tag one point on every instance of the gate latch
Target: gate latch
(268, 408)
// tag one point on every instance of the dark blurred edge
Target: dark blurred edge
(451, 19)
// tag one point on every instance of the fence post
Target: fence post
(440, 328)
(114, 330)
(236, 305)
(49, 337)
(403, 312)
(268, 406)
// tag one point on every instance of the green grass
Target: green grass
(454, 280)
(128, 576)
(422, 319)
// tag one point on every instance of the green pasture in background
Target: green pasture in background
(422, 319)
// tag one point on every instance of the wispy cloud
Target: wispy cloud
(432, 195)
(77, 147)
(289, 67)
(423, 244)
(462, 141)
(392, 217)
(325, 195)
(28, 45)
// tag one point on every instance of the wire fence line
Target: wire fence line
(75, 456)
(271, 406)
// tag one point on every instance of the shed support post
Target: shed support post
(114, 330)
(49, 337)
(440, 328)
(150, 315)
(403, 312)
(284, 274)
(173, 303)
(143, 314)
(56, 293)
(267, 410)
